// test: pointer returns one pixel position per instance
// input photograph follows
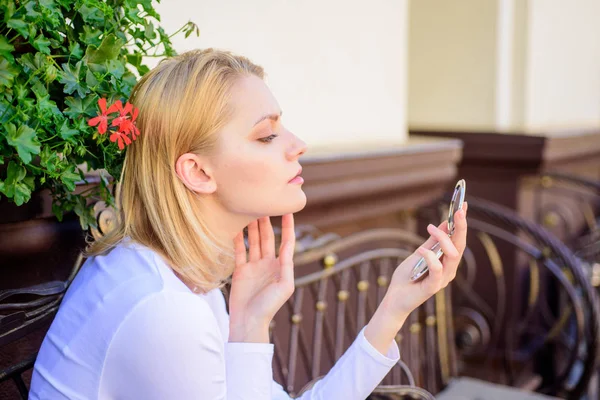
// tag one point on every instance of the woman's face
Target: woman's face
(255, 164)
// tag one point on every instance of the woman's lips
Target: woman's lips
(297, 180)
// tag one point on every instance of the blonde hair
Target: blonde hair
(182, 103)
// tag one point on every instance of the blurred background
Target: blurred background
(397, 100)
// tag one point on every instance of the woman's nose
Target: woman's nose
(297, 149)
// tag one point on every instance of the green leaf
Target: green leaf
(41, 43)
(69, 178)
(49, 160)
(116, 68)
(38, 87)
(75, 50)
(17, 186)
(9, 10)
(91, 15)
(21, 91)
(133, 15)
(65, 3)
(48, 5)
(129, 79)
(24, 140)
(57, 211)
(46, 108)
(70, 78)
(5, 45)
(149, 32)
(90, 79)
(68, 133)
(51, 16)
(31, 12)
(78, 107)
(6, 112)
(20, 26)
(25, 108)
(6, 49)
(8, 72)
(32, 30)
(134, 59)
(109, 50)
(31, 63)
(146, 5)
(137, 33)
(90, 35)
(86, 214)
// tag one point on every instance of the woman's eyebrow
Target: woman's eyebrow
(274, 117)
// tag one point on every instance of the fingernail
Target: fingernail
(430, 226)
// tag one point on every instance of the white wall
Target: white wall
(563, 72)
(504, 65)
(452, 63)
(337, 67)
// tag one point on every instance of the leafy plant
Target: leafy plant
(57, 59)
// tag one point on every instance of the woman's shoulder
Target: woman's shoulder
(110, 287)
(129, 266)
(120, 302)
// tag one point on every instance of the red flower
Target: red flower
(102, 119)
(122, 113)
(125, 122)
(121, 139)
(135, 132)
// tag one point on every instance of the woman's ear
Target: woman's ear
(195, 174)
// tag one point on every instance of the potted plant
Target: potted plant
(60, 60)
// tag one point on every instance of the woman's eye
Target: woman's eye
(268, 139)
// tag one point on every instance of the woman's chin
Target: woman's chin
(287, 204)
(292, 205)
(301, 202)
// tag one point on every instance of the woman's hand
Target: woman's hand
(407, 295)
(404, 295)
(261, 283)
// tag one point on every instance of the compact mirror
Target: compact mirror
(458, 198)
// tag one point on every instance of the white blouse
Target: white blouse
(128, 328)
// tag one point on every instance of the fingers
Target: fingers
(460, 234)
(432, 240)
(446, 243)
(253, 242)
(261, 240)
(288, 237)
(436, 274)
(267, 237)
(239, 249)
(453, 247)
(288, 244)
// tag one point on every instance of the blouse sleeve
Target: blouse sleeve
(354, 376)
(170, 347)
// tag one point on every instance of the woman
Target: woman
(144, 318)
